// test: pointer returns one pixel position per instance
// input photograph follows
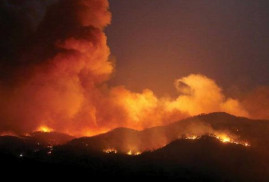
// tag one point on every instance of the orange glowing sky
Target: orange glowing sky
(157, 64)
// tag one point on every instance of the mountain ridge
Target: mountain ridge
(159, 136)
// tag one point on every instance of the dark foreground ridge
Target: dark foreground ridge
(253, 131)
(204, 159)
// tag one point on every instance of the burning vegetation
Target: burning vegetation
(110, 151)
(218, 142)
(224, 138)
(134, 142)
(54, 87)
(44, 129)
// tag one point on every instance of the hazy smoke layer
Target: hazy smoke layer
(54, 65)
(256, 103)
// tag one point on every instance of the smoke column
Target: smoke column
(53, 73)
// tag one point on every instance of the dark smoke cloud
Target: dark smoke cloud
(19, 19)
(19, 23)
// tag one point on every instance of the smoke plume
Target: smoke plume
(54, 65)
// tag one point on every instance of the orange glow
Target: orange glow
(224, 139)
(109, 151)
(70, 92)
(228, 139)
(130, 152)
(44, 129)
(197, 94)
(192, 137)
(94, 132)
(8, 134)
(138, 153)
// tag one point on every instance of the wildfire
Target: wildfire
(192, 137)
(114, 151)
(224, 138)
(130, 152)
(45, 129)
(110, 151)
(73, 83)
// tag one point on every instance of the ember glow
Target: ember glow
(224, 138)
(44, 129)
(65, 82)
(110, 151)
(167, 90)
(221, 136)
(130, 152)
(192, 137)
(227, 139)
(114, 151)
(140, 147)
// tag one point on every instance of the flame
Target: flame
(73, 82)
(192, 137)
(110, 150)
(44, 129)
(224, 138)
(130, 152)
(138, 153)
(114, 151)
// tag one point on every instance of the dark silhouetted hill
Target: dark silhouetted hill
(50, 138)
(168, 156)
(123, 140)
(205, 159)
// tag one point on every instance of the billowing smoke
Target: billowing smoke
(56, 76)
(197, 94)
(54, 69)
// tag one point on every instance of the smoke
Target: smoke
(202, 95)
(19, 20)
(256, 102)
(55, 77)
(197, 94)
(54, 74)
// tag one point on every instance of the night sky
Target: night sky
(155, 42)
